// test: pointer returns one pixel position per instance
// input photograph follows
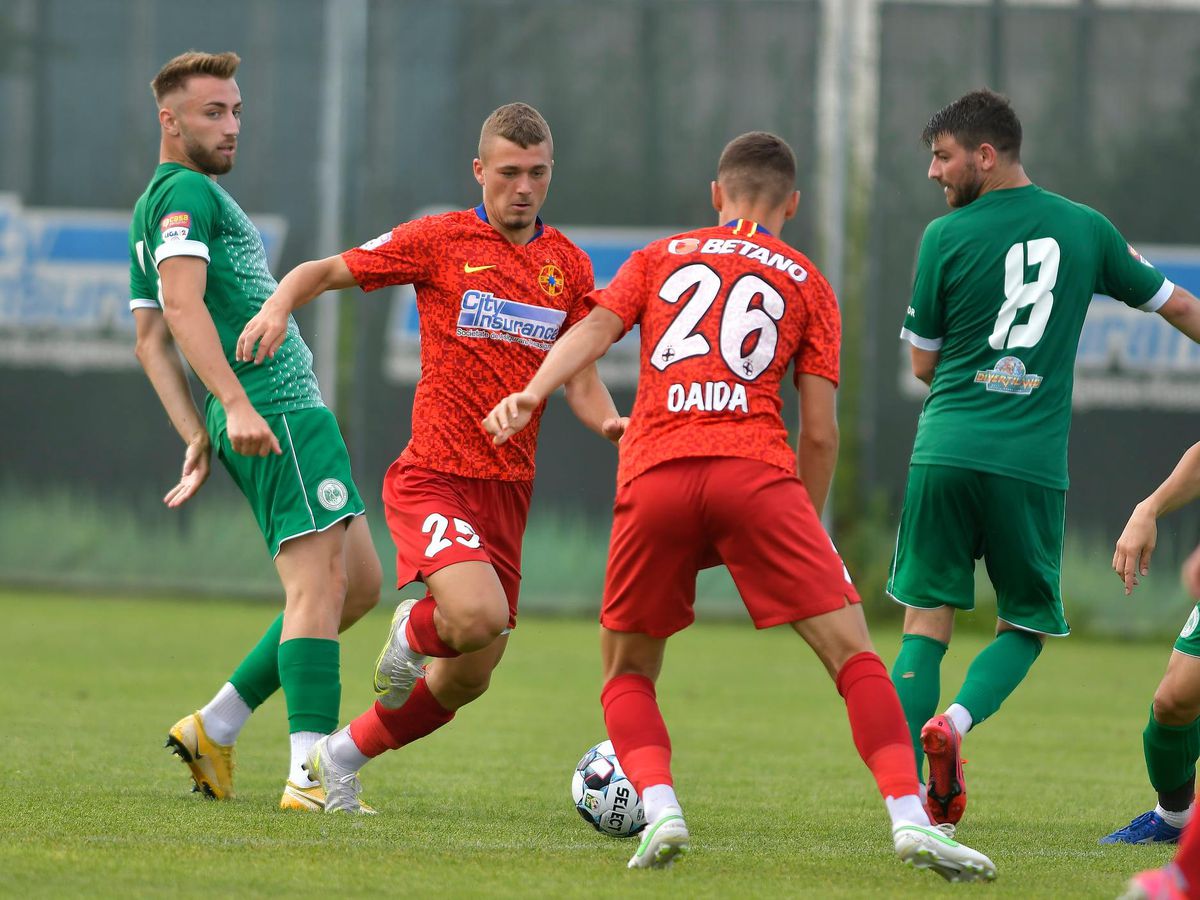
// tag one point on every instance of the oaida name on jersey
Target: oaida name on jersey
(710, 396)
(742, 247)
(484, 315)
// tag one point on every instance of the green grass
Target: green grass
(778, 802)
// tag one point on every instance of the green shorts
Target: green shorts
(1188, 641)
(307, 489)
(954, 516)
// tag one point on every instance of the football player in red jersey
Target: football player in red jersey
(707, 476)
(495, 287)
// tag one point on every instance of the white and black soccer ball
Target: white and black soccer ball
(604, 796)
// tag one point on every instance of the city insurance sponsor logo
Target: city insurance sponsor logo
(64, 284)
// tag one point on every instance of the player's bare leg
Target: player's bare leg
(1171, 742)
(841, 641)
(466, 610)
(364, 575)
(635, 725)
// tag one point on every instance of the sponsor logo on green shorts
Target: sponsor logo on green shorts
(332, 494)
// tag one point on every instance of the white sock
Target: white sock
(225, 715)
(659, 800)
(302, 742)
(1176, 819)
(906, 810)
(345, 752)
(957, 713)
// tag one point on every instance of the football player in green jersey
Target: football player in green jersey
(1171, 740)
(198, 273)
(1002, 286)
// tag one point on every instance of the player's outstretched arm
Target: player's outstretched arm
(156, 352)
(817, 449)
(589, 399)
(1140, 535)
(183, 280)
(1182, 310)
(265, 332)
(580, 347)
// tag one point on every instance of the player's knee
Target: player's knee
(475, 627)
(1172, 709)
(362, 595)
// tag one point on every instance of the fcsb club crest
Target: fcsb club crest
(551, 280)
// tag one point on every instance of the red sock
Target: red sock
(380, 729)
(877, 724)
(636, 727)
(1187, 858)
(421, 632)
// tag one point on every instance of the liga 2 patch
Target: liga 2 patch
(175, 226)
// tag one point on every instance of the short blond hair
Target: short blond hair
(175, 74)
(516, 122)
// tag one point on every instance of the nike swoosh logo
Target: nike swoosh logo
(469, 269)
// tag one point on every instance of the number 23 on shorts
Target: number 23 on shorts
(436, 526)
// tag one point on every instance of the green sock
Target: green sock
(257, 678)
(308, 670)
(1171, 752)
(996, 672)
(917, 676)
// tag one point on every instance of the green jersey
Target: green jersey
(1001, 291)
(186, 213)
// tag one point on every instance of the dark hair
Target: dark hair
(757, 165)
(516, 122)
(980, 117)
(175, 74)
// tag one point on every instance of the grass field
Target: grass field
(777, 801)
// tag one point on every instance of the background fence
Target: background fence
(362, 114)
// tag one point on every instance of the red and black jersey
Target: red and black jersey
(489, 311)
(724, 311)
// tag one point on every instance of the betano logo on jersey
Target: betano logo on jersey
(750, 250)
(483, 314)
(1008, 377)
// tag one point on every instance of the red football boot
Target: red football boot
(947, 791)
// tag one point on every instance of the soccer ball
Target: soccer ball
(604, 796)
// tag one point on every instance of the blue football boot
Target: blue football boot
(1148, 828)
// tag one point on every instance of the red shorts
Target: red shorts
(437, 519)
(688, 514)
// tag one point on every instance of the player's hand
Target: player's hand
(1134, 548)
(195, 471)
(249, 433)
(265, 333)
(1190, 573)
(614, 428)
(509, 416)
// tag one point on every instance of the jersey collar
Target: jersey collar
(537, 232)
(746, 227)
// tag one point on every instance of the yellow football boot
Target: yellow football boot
(211, 763)
(310, 799)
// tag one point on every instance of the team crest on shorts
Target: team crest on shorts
(1189, 627)
(551, 280)
(332, 494)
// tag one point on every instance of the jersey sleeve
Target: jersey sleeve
(628, 293)
(400, 256)
(923, 325)
(820, 347)
(1125, 275)
(585, 283)
(185, 219)
(141, 293)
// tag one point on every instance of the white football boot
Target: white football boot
(662, 843)
(340, 786)
(398, 668)
(928, 847)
